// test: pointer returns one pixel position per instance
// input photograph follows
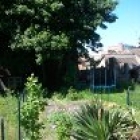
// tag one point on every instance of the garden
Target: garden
(46, 37)
(71, 115)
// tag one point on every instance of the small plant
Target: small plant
(31, 109)
(57, 96)
(63, 123)
(73, 95)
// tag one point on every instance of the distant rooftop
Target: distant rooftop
(123, 49)
(135, 51)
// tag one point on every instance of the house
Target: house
(83, 70)
(92, 71)
(123, 64)
(135, 51)
(118, 65)
(127, 62)
(113, 70)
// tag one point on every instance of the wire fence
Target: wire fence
(128, 96)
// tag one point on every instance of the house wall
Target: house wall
(122, 72)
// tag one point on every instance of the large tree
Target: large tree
(54, 30)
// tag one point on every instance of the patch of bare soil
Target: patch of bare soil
(72, 106)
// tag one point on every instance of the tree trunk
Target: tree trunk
(3, 87)
(44, 74)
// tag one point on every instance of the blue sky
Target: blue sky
(127, 27)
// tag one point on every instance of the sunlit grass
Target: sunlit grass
(9, 107)
(8, 111)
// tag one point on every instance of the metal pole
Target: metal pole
(115, 76)
(19, 130)
(128, 96)
(105, 79)
(93, 77)
(2, 129)
(23, 96)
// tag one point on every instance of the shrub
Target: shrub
(74, 95)
(57, 96)
(30, 110)
(63, 123)
(97, 123)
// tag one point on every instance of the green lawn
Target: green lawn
(119, 98)
(123, 98)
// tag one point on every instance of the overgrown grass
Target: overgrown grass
(9, 106)
(9, 112)
(73, 95)
(119, 98)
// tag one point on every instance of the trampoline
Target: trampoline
(103, 78)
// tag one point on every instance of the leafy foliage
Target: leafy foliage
(63, 123)
(8, 111)
(45, 25)
(95, 122)
(31, 109)
(54, 30)
(75, 95)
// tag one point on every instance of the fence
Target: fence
(10, 127)
(127, 96)
(15, 82)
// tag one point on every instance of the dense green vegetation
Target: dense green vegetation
(9, 111)
(51, 32)
(31, 109)
(60, 121)
(96, 122)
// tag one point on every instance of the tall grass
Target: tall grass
(134, 96)
(9, 111)
(9, 105)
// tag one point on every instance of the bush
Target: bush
(97, 123)
(30, 111)
(57, 96)
(63, 123)
(75, 95)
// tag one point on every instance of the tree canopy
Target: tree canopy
(52, 28)
(45, 25)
